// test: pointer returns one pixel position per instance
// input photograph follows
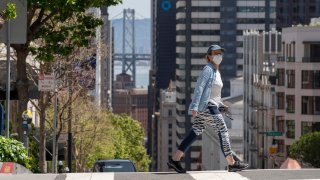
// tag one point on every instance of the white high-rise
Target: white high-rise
(201, 23)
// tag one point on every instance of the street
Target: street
(277, 174)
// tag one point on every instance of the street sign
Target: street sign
(46, 83)
(273, 133)
(63, 138)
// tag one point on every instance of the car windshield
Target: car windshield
(116, 167)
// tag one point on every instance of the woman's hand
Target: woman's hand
(194, 113)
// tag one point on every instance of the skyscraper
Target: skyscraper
(202, 23)
(294, 12)
(162, 66)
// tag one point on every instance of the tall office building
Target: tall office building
(162, 66)
(294, 12)
(201, 23)
(106, 60)
(261, 51)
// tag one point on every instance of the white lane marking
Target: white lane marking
(102, 176)
(78, 176)
(218, 175)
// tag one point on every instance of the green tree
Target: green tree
(129, 141)
(12, 150)
(53, 23)
(92, 131)
(307, 149)
(54, 28)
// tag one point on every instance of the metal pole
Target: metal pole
(54, 128)
(70, 123)
(8, 80)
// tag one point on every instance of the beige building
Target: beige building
(298, 85)
(166, 127)
(261, 51)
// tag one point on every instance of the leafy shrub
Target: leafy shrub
(12, 150)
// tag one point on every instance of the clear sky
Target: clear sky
(142, 8)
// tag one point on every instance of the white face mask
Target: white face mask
(217, 59)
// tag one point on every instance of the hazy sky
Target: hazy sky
(142, 8)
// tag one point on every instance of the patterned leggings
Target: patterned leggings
(210, 117)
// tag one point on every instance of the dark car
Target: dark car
(115, 165)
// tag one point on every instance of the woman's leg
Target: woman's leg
(197, 128)
(187, 141)
(220, 126)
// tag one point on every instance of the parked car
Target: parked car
(115, 165)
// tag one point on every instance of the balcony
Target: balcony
(311, 59)
(280, 58)
(291, 59)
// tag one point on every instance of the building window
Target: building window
(280, 123)
(281, 146)
(310, 79)
(170, 142)
(314, 52)
(310, 105)
(291, 78)
(290, 128)
(306, 127)
(290, 103)
(170, 126)
(169, 112)
(280, 77)
(280, 100)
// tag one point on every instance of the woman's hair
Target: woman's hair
(207, 56)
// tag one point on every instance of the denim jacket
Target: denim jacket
(202, 90)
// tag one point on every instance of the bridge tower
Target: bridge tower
(128, 55)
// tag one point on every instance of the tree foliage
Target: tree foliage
(307, 149)
(12, 150)
(128, 141)
(109, 136)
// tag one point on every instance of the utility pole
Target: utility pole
(8, 80)
(54, 158)
(70, 121)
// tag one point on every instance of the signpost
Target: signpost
(14, 31)
(46, 83)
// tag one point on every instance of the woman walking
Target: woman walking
(204, 108)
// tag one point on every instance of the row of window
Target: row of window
(309, 104)
(310, 78)
(231, 20)
(208, 43)
(288, 126)
(199, 32)
(227, 9)
(203, 55)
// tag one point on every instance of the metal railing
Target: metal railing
(311, 59)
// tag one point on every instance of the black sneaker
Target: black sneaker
(176, 166)
(237, 166)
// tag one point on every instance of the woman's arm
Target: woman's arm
(201, 83)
